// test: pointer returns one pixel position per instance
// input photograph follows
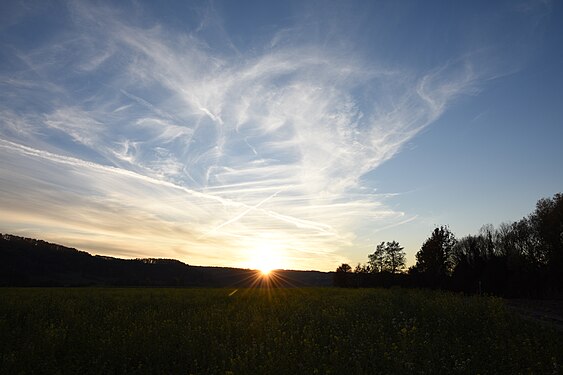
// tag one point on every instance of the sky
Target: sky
(278, 134)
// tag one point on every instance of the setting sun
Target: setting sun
(266, 257)
(267, 261)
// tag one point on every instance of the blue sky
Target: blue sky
(275, 134)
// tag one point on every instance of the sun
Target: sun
(266, 258)
(265, 272)
(266, 262)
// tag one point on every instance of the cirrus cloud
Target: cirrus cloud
(135, 140)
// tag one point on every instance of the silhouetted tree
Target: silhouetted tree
(394, 259)
(434, 260)
(470, 257)
(376, 260)
(344, 268)
(342, 276)
(387, 257)
(518, 259)
(361, 275)
(547, 224)
(488, 233)
(362, 268)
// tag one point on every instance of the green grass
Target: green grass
(278, 331)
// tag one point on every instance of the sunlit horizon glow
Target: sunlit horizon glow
(266, 256)
(132, 131)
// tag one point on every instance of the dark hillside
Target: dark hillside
(31, 262)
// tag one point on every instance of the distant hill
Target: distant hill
(31, 262)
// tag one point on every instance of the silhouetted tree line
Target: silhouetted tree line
(385, 268)
(519, 259)
(31, 262)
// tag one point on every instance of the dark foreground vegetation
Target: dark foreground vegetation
(267, 331)
(31, 262)
(519, 259)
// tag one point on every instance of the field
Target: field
(268, 331)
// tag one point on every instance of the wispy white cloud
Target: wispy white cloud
(159, 143)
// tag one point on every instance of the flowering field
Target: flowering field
(268, 331)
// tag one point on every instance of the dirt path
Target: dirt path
(546, 311)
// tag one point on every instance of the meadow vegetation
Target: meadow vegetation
(268, 331)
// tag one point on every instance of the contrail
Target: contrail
(300, 223)
(68, 160)
(76, 162)
(239, 216)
